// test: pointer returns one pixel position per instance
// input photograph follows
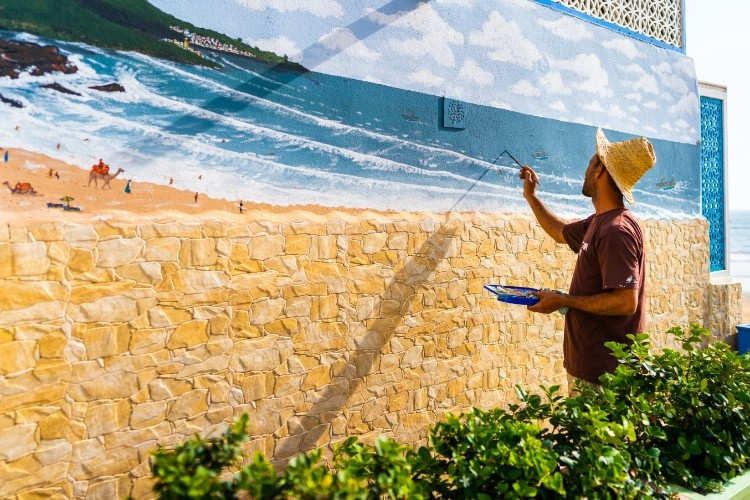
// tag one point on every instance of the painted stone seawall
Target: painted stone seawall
(119, 337)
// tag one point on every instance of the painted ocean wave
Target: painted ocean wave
(274, 136)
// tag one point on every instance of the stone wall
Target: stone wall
(116, 338)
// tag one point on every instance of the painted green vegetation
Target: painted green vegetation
(674, 418)
(134, 25)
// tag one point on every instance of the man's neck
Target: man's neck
(607, 202)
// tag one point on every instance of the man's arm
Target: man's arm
(616, 302)
(551, 223)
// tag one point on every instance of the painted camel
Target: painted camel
(95, 176)
(21, 188)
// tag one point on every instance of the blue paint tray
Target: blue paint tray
(514, 294)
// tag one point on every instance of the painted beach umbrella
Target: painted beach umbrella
(67, 199)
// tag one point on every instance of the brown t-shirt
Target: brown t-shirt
(610, 256)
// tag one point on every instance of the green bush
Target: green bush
(692, 405)
(671, 418)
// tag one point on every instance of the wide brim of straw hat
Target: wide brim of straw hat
(626, 161)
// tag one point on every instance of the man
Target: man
(607, 298)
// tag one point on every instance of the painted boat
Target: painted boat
(665, 185)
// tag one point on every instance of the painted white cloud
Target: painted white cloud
(594, 107)
(634, 68)
(674, 82)
(319, 8)
(553, 83)
(434, 36)
(567, 28)
(456, 92)
(522, 4)
(646, 83)
(472, 72)
(643, 82)
(344, 40)
(460, 3)
(616, 111)
(558, 106)
(381, 18)
(667, 126)
(525, 88)
(425, 77)
(634, 96)
(661, 68)
(622, 45)
(280, 45)
(595, 79)
(651, 105)
(506, 42)
(669, 79)
(686, 66)
(500, 104)
(686, 105)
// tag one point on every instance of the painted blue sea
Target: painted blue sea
(269, 135)
(739, 247)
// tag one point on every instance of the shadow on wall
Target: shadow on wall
(381, 318)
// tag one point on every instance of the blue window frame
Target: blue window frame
(712, 178)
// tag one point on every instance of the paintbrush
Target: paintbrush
(517, 162)
(511, 157)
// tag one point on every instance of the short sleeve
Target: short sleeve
(619, 257)
(574, 233)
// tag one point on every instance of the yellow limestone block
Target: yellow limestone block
(201, 252)
(324, 247)
(297, 244)
(189, 334)
(106, 341)
(188, 405)
(25, 294)
(191, 230)
(162, 249)
(59, 426)
(29, 259)
(119, 252)
(259, 386)
(17, 356)
(148, 414)
(17, 441)
(106, 418)
(266, 246)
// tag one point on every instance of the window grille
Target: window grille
(712, 178)
(657, 19)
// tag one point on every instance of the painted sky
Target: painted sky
(511, 54)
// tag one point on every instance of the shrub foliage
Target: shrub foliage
(662, 419)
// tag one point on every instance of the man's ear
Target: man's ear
(601, 170)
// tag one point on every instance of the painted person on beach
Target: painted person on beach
(607, 296)
(127, 187)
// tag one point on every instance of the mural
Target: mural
(389, 105)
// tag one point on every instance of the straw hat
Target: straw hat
(625, 161)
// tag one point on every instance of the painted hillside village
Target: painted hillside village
(347, 250)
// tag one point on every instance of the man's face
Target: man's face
(589, 187)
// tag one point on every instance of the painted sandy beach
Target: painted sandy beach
(145, 202)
